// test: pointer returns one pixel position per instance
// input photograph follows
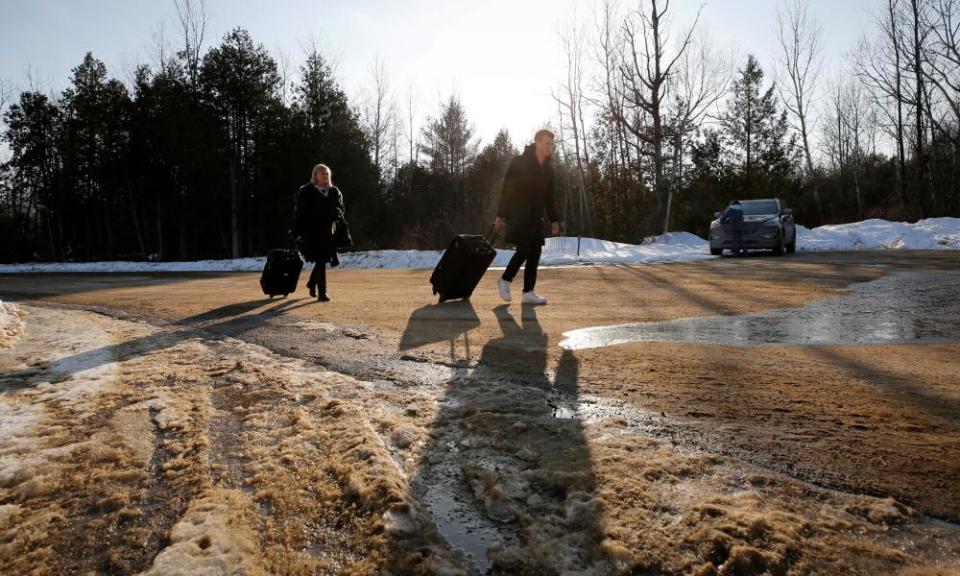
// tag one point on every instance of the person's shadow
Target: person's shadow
(507, 477)
(441, 322)
(231, 320)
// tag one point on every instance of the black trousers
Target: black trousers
(318, 277)
(739, 248)
(529, 253)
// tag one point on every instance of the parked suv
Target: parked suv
(767, 225)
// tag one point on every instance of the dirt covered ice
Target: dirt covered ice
(129, 449)
(240, 435)
(11, 324)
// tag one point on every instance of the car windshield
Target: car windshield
(759, 207)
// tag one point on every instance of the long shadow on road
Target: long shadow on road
(232, 320)
(508, 485)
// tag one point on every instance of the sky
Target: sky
(502, 57)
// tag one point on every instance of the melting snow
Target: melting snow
(933, 233)
(11, 324)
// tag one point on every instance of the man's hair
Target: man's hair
(737, 202)
(543, 132)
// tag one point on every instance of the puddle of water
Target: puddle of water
(458, 521)
(903, 307)
(589, 409)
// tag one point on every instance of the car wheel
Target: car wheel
(779, 249)
(716, 251)
(792, 247)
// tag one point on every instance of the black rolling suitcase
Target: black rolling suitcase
(281, 273)
(461, 267)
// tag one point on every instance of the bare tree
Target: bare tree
(645, 72)
(283, 69)
(159, 48)
(394, 139)
(411, 132)
(880, 65)
(855, 117)
(801, 47)
(192, 16)
(849, 132)
(571, 101)
(6, 96)
(379, 112)
(606, 54)
(942, 70)
(834, 139)
(410, 129)
(916, 42)
(702, 79)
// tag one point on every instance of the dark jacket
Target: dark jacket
(733, 215)
(313, 220)
(527, 192)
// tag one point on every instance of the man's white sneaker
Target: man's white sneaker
(532, 297)
(504, 288)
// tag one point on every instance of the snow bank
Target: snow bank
(558, 251)
(673, 247)
(11, 324)
(930, 234)
(933, 233)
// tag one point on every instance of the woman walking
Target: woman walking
(319, 206)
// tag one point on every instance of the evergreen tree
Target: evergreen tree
(240, 80)
(756, 140)
(177, 148)
(33, 198)
(94, 143)
(448, 140)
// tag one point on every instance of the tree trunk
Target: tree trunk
(161, 253)
(136, 223)
(810, 169)
(921, 158)
(234, 211)
(901, 153)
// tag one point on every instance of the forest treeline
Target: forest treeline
(199, 155)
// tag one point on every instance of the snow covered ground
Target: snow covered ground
(930, 234)
(933, 233)
(11, 324)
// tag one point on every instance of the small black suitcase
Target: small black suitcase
(461, 267)
(281, 273)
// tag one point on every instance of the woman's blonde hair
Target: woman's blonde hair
(319, 167)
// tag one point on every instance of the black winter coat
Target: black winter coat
(527, 192)
(733, 215)
(313, 221)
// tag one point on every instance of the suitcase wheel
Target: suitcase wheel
(271, 296)
(285, 294)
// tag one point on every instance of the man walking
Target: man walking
(527, 192)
